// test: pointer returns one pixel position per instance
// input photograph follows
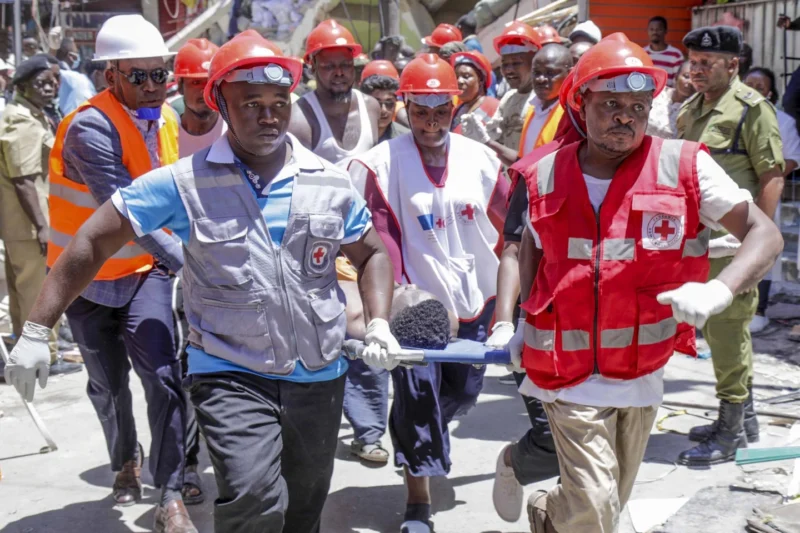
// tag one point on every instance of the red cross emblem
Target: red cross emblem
(665, 230)
(662, 231)
(440, 223)
(319, 256)
(468, 212)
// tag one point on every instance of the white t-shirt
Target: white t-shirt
(718, 195)
(791, 140)
(540, 116)
(189, 144)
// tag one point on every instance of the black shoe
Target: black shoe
(751, 430)
(508, 379)
(61, 368)
(728, 438)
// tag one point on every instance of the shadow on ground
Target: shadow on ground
(99, 515)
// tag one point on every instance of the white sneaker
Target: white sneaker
(758, 323)
(507, 493)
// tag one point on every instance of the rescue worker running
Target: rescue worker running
(261, 219)
(124, 317)
(200, 125)
(615, 262)
(334, 121)
(740, 128)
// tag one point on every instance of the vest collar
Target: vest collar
(302, 158)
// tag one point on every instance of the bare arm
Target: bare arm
(99, 238)
(529, 258)
(375, 274)
(506, 154)
(25, 189)
(507, 283)
(762, 243)
(771, 190)
(374, 112)
(299, 126)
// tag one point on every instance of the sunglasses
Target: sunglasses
(138, 76)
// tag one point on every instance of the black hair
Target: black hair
(469, 22)
(659, 18)
(770, 75)
(425, 325)
(746, 58)
(66, 47)
(376, 82)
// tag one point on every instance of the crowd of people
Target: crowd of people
(224, 243)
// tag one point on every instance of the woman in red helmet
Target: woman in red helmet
(450, 196)
(474, 74)
(614, 261)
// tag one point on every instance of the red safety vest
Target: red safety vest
(593, 307)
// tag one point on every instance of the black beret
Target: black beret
(724, 39)
(30, 68)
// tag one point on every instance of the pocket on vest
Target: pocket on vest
(540, 341)
(224, 253)
(325, 232)
(656, 330)
(237, 331)
(330, 320)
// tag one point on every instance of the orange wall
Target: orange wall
(631, 16)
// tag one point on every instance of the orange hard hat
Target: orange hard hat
(477, 60)
(428, 74)
(548, 34)
(443, 34)
(194, 58)
(519, 34)
(380, 67)
(613, 56)
(330, 34)
(245, 51)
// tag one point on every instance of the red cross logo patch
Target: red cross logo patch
(318, 257)
(661, 231)
(467, 213)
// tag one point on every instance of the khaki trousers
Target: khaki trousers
(26, 269)
(599, 452)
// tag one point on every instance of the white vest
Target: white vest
(448, 240)
(327, 146)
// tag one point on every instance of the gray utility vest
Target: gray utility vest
(258, 304)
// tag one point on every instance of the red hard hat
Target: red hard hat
(194, 58)
(475, 59)
(330, 34)
(548, 34)
(565, 87)
(380, 67)
(517, 33)
(247, 49)
(612, 56)
(443, 34)
(428, 74)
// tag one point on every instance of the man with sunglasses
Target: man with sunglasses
(123, 318)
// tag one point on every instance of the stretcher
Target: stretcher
(37, 420)
(458, 351)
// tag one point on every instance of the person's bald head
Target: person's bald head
(576, 50)
(551, 65)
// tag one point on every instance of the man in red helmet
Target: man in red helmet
(615, 262)
(200, 125)
(438, 201)
(440, 36)
(334, 121)
(261, 219)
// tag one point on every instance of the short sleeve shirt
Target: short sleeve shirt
(25, 143)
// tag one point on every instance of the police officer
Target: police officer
(740, 129)
(261, 219)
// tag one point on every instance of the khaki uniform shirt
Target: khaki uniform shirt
(507, 122)
(759, 146)
(25, 143)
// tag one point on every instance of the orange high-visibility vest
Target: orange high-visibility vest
(71, 203)
(548, 132)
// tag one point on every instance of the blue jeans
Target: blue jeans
(366, 401)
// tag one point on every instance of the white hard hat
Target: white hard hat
(129, 37)
(589, 29)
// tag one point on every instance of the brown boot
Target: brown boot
(127, 488)
(537, 513)
(173, 518)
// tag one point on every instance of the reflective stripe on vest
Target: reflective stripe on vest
(576, 339)
(72, 203)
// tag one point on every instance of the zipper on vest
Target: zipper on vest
(596, 289)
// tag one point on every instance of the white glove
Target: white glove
(473, 127)
(694, 303)
(723, 246)
(29, 359)
(54, 37)
(382, 348)
(515, 345)
(501, 334)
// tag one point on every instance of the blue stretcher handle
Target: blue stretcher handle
(459, 351)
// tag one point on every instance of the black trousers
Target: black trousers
(533, 457)
(272, 444)
(139, 334)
